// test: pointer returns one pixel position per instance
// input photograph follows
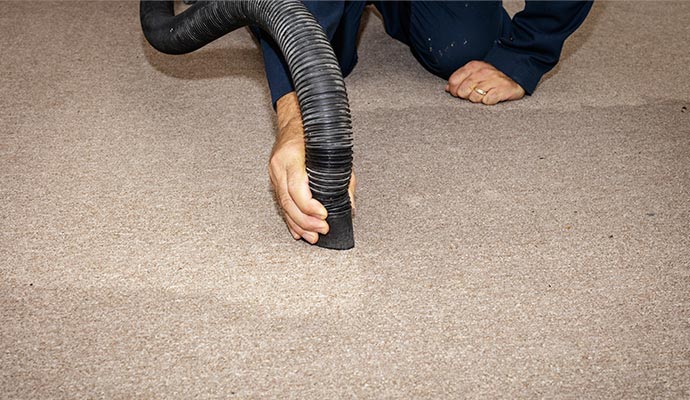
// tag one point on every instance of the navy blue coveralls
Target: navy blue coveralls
(445, 35)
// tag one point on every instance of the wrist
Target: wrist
(288, 113)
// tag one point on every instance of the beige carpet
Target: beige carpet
(536, 249)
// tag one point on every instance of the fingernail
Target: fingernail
(323, 229)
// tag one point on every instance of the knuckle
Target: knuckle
(454, 79)
(296, 228)
(284, 202)
(312, 226)
(293, 187)
(483, 73)
(274, 163)
(273, 166)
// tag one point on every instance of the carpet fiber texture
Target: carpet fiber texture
(534, 249)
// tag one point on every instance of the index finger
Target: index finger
(456, 79)
(298, 188)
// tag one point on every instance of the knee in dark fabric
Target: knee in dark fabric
(442, 58)
(444, 36)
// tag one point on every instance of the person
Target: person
(483, 55)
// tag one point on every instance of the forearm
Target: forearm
(328, 15)
(288, 114)
(532, 46)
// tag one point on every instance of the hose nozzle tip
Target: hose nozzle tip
(341, 235)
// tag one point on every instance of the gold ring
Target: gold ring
(480, 91)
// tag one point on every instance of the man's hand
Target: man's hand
(477, 77)
(304, 215)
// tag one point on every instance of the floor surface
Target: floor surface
(535, 249)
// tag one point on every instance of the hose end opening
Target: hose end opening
(341, 235)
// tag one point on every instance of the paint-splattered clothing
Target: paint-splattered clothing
(445, 35)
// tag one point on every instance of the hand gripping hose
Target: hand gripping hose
(315, 73)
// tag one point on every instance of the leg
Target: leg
(344, 41)
(444, 35)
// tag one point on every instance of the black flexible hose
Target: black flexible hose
(315, 73)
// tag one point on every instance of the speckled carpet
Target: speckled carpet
(535, 249)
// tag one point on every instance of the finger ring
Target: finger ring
(480, 91)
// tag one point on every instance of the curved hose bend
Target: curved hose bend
(315, 73)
